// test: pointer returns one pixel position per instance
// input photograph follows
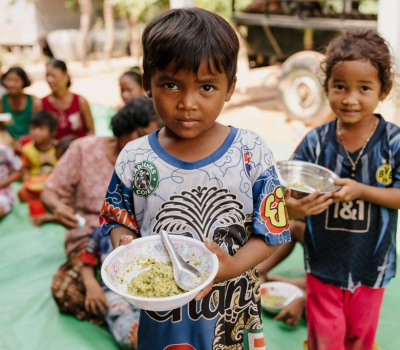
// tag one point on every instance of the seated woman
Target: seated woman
(73, 111)
(77, 186)
(17, 103)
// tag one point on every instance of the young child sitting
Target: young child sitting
(121, 317)
(39, 159)
(350, 248)
(199, 178)
(10, 171)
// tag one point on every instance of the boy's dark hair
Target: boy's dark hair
(137, 113)
(20, 72)
(352, 45)
(60, 65)
(135, 74)
(187, 37)
(63, 145)
(44, 118)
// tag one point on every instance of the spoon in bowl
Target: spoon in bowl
(186, 276)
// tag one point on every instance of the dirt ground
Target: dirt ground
(254, 105)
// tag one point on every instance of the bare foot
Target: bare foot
(133, 334)
(40, 220)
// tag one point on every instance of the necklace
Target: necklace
(354, 164)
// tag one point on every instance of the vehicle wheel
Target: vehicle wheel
(300, 88)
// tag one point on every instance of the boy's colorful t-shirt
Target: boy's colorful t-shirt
(227, 197)
(39, 162)
(354, 243)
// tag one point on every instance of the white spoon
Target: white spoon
(186, 276)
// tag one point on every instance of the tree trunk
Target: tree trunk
(135, 44)
(110, 28)
(85, 23)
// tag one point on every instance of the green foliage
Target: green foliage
(73, 6)
(222, 7)
(142, 10)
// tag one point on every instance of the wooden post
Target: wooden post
(389, 28)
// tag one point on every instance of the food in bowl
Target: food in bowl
(271, 300)
(125, 263)
(36, 184)
(300, 186)
(304, 178)
(156, 281)
(274, 294)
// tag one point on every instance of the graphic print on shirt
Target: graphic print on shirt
(235, 303)
(145, 179)
(75, 120)
(274, 213)
(205, 213)
(246, 161)
(384, 173)
(353, 216)
(215, 213)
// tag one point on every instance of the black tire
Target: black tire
(300, 88)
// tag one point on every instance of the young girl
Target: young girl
(17, 103)
(130, 84)
(73, 111)
(350, 249)
(10, 171)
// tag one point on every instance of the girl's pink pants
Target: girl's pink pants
(339, 319)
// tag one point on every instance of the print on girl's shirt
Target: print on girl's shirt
(353, 216)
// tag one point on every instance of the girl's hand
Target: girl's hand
(95, 298)
(225, 270)
(64, 214)
(350, 190)
(312, 204)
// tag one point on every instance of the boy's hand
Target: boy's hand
(292, 313)
(350, 190)
(226, 269)
(95, 298)
(225, 266)
(65, 215)
(312, 204)
(125, 239)
(227, 263)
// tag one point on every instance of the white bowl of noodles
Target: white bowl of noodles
(274, 294)
(124, 267)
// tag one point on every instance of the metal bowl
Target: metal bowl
(304, 178)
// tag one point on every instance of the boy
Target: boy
(199, 178)
(38, 159)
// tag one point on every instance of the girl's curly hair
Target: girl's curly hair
(352, 45)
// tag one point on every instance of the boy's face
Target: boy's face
(187, 103)
(40, 133)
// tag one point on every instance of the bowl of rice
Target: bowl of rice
(274, 294)
(304, 178)
(142, 271)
